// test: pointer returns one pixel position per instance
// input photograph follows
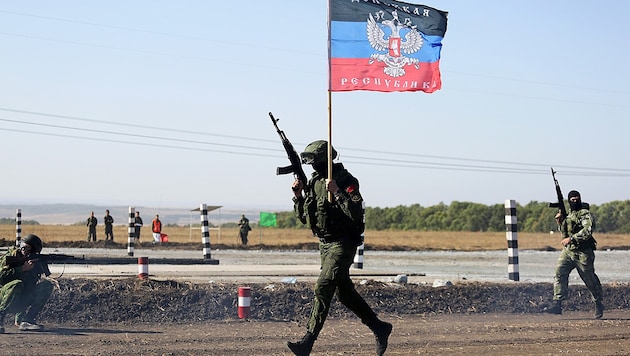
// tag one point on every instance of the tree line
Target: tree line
(8, 221)
(612, 217)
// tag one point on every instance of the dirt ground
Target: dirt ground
(165, 317)
(454, 334)
(130, 316)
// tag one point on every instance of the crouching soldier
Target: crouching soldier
(22, 291)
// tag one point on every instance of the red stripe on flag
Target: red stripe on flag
(348, 74)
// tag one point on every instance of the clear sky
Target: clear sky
(164, 103)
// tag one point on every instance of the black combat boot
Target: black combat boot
(556, 308)
(381, 330)
(599, 310)
(304, 346)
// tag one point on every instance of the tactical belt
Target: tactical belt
(328, 240)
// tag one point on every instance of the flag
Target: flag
(384, 46)
(267, 219)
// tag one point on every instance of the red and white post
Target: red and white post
(244, 302)
(143, 267)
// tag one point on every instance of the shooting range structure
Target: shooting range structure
(115, 260)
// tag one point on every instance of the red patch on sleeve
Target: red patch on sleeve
(351, 188)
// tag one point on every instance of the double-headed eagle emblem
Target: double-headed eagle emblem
(403, 38)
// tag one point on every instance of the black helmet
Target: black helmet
(34, 241)
(317, 152)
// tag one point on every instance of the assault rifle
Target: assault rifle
(296, 163)
(560, 203)
(42, 261)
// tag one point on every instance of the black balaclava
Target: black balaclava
(577, 205)
(321, 168)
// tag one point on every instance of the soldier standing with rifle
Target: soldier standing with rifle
(577, 252)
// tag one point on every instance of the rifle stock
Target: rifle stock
(296, 163)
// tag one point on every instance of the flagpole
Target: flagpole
(330, 158)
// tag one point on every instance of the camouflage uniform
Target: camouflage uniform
(22, 292)
(338, 223)
(339, 227)
(578, 254)
(334, 225)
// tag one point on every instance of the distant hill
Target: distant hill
(68, 214)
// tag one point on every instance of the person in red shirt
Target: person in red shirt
(156, 227)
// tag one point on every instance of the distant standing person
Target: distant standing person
(577, 252)
(91, 224)
(138, 225)
(156, 227)
(244, 229)
(108, 220)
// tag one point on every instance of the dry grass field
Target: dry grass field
(272, 237)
